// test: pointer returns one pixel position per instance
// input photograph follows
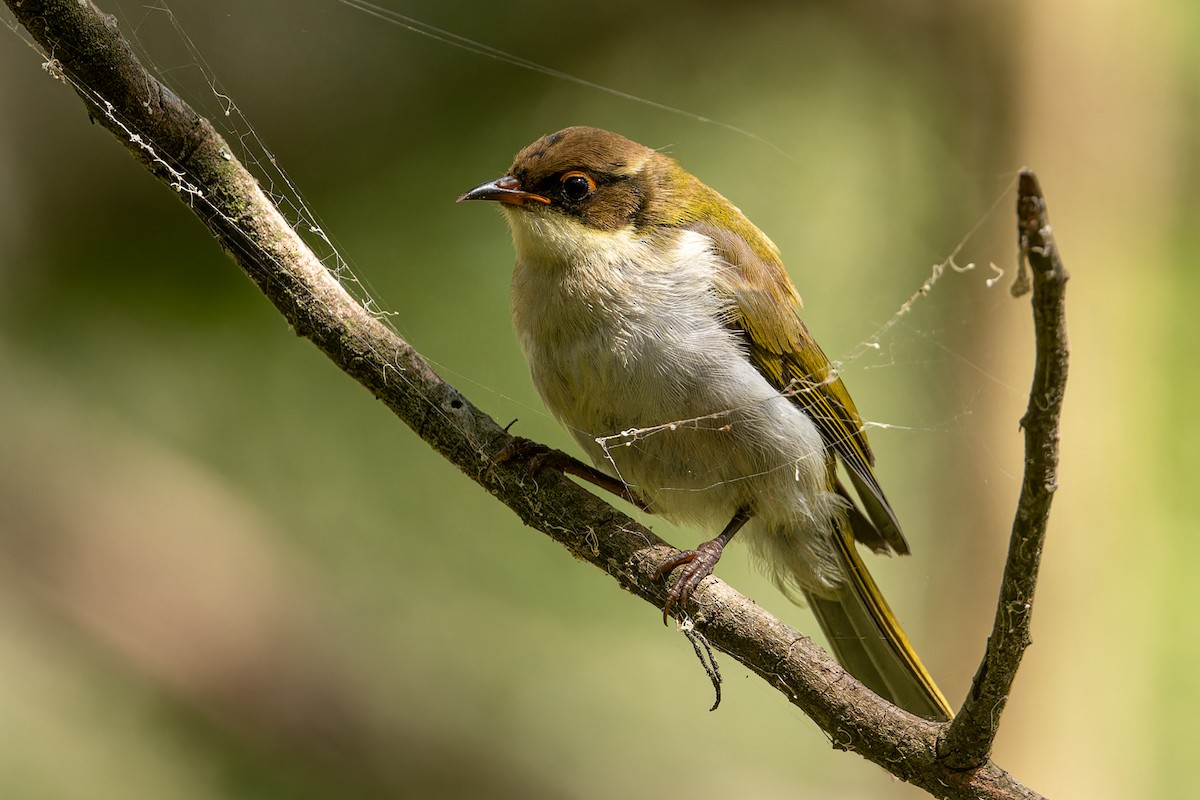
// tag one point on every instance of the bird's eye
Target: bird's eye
(577, 185)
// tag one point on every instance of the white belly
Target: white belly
(631, 356)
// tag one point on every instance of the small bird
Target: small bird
(662, 330)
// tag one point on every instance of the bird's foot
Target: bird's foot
(518, 447)
(697, 565)
(542, 457)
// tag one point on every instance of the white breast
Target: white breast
(629, 351)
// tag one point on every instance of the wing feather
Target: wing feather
(763, 307)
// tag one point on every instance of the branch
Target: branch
(184, 151)
(968, 741)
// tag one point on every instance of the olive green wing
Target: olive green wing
(763, 308)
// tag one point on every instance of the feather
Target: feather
(763, 308)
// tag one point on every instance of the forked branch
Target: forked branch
(184, 151)
(968, 741)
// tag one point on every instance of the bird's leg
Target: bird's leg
(542, 457)
(697, 564)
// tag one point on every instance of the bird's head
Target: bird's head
(598, 179)
(585, 187)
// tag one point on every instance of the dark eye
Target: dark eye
(577, 185)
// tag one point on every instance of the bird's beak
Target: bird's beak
(505, 190)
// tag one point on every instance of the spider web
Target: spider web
(958, 294)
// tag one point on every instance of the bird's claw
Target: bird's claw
(540, 456)
(697, 565)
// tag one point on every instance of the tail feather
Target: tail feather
(869, 642)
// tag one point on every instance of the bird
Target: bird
(662, 330)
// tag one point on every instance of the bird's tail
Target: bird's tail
(869, 642)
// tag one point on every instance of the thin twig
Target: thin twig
(185, 153)
(968, 741)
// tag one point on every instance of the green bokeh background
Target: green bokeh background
(227, 572)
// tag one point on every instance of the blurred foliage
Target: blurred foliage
(226, 572)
